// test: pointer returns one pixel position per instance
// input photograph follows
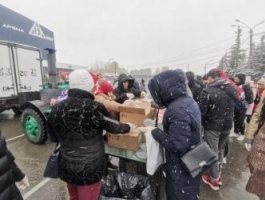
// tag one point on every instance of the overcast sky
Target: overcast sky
(143, 33)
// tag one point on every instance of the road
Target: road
(32, 160)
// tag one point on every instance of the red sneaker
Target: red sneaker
(214, 185)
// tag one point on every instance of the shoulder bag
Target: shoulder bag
(51, 169)
(199, 158)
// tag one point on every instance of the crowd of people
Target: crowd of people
(226, 103)
(215, 106)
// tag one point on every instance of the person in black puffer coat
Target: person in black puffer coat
(9, 174)
(217, 105)
(77, 123)
(181, 130)
(127, 88)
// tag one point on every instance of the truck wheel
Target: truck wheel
(34, 126)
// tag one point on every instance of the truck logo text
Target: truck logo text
(37, 31)
(14, 28)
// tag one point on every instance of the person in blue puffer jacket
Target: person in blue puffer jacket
(181, 130)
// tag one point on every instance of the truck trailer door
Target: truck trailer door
(7, 77)
(28, 68)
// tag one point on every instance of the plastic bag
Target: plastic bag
(155, 154)
(110, 188)
(120, 186)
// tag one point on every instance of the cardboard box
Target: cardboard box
(129, 141)
(136, 112)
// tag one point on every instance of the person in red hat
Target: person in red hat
(104, 94)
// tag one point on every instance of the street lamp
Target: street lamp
(250, 33)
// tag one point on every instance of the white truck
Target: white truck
(20, 76)
(24, 45)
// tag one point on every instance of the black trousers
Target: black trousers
(239, 122)
(226, 149)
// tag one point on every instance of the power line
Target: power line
(200, 54)
(259, 33)
(194, 61)
(208, 52)
(197, 54)
(222, 49)
(215, 56)
(260, 27)
(217, 62)
(184, 54)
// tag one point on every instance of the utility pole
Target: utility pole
(225, 63)
(250, 42)
(250, 33)
(205, 68)
(239, 31)
(188, 67)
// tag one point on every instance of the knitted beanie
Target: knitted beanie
(81, 79)
(105, 87)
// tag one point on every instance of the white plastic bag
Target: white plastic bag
(155, 154)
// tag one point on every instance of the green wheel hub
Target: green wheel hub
(31, 127)
(33, 123)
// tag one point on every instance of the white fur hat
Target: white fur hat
(81, 79)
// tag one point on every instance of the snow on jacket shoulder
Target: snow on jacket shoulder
(217, 104)
(181, 122)
(78, 124)
(181, 129)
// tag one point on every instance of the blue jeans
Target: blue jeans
(217, 141)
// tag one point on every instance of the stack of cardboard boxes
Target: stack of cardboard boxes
(134, 113)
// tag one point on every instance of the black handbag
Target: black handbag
(51, 169)
(198, 159)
